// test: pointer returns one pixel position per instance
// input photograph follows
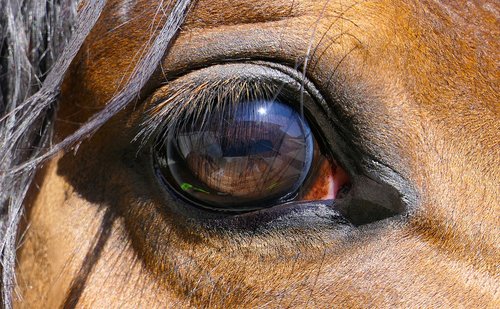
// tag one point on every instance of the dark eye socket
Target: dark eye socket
(238, 138)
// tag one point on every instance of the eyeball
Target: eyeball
(243, 158)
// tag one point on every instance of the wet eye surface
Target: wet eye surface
(242, 158)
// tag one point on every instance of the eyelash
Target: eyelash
(197, 101)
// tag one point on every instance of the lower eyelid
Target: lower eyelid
(298, 214)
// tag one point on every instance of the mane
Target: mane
(38, 41)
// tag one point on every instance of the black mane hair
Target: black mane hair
(38, 41)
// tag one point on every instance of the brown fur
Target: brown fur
(418, 82)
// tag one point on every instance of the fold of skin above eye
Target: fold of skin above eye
(414, 80)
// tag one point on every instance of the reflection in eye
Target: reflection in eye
(253, 155)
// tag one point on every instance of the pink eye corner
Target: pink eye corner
(330, 182)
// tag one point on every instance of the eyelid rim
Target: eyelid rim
(289, 88)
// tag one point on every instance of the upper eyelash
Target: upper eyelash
(199, 99)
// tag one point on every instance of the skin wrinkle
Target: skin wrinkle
(401, 86)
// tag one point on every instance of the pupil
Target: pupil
(246, 149)
(243, 158)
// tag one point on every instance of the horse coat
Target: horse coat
(249, 154)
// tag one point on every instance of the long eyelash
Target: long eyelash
(197, 101)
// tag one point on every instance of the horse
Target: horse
(222, 154)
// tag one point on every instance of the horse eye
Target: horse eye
(251, 156)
